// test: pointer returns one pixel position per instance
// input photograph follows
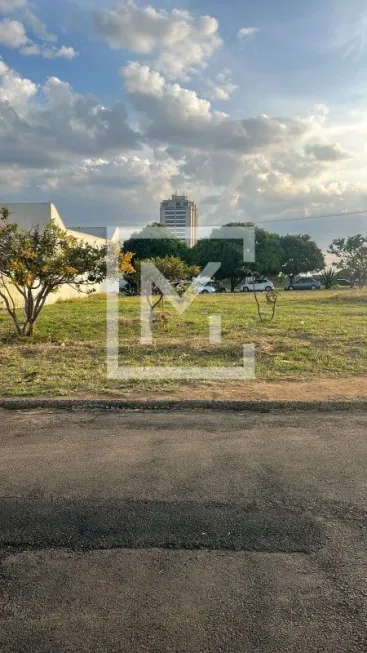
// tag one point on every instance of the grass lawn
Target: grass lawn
(313, 334)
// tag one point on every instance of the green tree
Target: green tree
(35, 263)
(351, 254)
(230, 254)
(268, 253)
(300, 255)
(172, 268)
(156, 241)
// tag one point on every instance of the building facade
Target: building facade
(180, 215)
(30, 215)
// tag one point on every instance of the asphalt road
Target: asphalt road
(183, 532)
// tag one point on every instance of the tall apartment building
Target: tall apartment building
(181, 217)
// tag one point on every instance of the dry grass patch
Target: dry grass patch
(313, 335)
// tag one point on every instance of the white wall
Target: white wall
(30, 215)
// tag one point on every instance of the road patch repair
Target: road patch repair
(128, 530)
(89, 524)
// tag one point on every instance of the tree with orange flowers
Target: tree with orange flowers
(35, 263)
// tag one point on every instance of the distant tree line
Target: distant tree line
(351, 257)
(290, 255)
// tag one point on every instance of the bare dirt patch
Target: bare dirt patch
(319, 389)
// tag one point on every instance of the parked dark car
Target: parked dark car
(304, 283)
(345, 282)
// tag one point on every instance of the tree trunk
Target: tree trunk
(32, 307)
(30, 329)
(233, 283)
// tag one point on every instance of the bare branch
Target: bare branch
(11, 312)
(6, 287)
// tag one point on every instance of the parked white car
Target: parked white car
(201, 287)
(204, 288)
(260, 285)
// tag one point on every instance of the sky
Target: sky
(256, 110)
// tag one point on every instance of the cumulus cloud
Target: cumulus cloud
(7, 6)
(222, 87)
(12, 33)
(59, 144)
(127, 174)
(64, 52)
(245, 33)
(49, 52)
(178, 42)
(36, 25)
(327, 152)
(15, 90)
(273, 183)
(179, 116)
(281, 171)
(213, 169)
(38, 28)
(31, 49)
(129, 188)
(80, 123)
(60, 125)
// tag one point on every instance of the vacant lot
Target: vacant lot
(314, 334)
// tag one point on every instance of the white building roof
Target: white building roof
(28, 215)
(100, 232)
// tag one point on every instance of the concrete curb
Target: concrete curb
(260, 406)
